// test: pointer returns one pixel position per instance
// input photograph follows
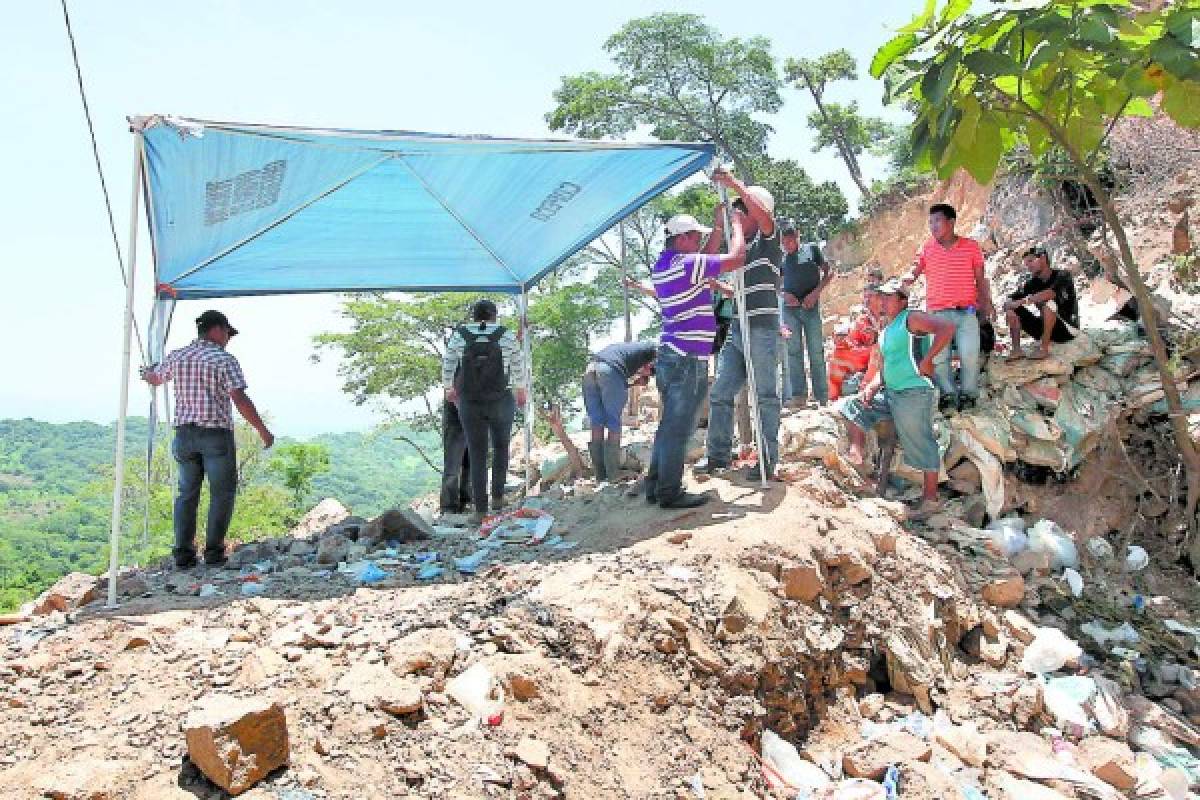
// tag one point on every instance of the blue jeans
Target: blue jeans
(604, 395)
(966, 342)
(911, 411)
(731, 376)
(200, 452)
(682, 382)
(807, 338)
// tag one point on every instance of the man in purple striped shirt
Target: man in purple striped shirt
(681, 281)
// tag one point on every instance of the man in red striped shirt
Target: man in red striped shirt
(957, 290)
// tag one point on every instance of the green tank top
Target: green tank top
(902, 351)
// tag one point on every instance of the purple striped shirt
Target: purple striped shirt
(681, 283)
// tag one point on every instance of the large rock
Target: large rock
(401, 524)
(871, 759)
(68, 593)
(964, 741)
(802, 581)
(324, 514)
(1109, 760)
(332, 549)
(236, 742)
(429, 650)
(376, 686)
(1005, 592)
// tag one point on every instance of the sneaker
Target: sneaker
(217, 563)
(710, 467)
(947, 403)
(185, 563)
(684, 500)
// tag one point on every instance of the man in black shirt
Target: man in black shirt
(1052, 293)
(805, 274)
(606, 384)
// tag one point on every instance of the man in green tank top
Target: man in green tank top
(899, 387)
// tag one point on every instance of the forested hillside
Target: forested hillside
(56, 491)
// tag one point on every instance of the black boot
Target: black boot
(596, 451)
(684, 500)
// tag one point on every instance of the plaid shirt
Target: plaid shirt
(204, 375)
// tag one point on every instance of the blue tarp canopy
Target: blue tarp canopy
(241, 209)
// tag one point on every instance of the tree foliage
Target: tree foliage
(1044, 74)
(839, 126)
(297, 464)
(681, 78)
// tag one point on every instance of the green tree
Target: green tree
(1044, 73)
(297, 464)
(681, 78)
(839, 126)
(818, 209)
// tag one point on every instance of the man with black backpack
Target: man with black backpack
(482, 371)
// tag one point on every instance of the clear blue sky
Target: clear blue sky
(468, 67)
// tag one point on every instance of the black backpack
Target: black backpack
(481, 374)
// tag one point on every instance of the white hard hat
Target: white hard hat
(763, 197)
(685, 223)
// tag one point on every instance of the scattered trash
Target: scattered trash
(681, 573)
(566, 545)
(1122, 633)
(971, 792)
(253, 589)
(430, 571)
(1136, 558)
(209, 590)
(1065, 699)
(858, 789)
(476, 690)
(1049, 651)
(1074, 580)
(918, 725)
(469, 565)
(1099, 548)
(1047, 537)
(891, 782)
(1008, 535)
(785, 769)
(369, 572)
(696, 784)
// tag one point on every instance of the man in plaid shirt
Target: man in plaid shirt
(206, 379)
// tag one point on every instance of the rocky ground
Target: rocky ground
(664, 654)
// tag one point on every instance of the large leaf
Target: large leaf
(953, 10)
(988, 64)
(984, 154)
(887, 55)
(940, 78)
(921, 20)
(1139, 107)
(1184, 25)
(1181, 100)
(1043, 53)
(1176, 59)
(1094, 29)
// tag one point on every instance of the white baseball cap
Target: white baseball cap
(763, 197)
(685, 223)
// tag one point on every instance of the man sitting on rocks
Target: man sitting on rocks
(1052, 293)
(900, 387)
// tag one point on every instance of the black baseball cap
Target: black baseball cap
(212, 318)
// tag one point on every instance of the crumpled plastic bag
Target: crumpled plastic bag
(990, 469)
(1047, 537)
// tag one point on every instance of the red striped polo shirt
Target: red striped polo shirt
(950, 273)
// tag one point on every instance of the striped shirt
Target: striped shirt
(950, 273)
(761, 278)
(514, 357)
(681, 283)
(204, 375)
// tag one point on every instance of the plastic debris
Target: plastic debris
(369, 572)
(696, 784)
(783, 763)
(1099, 548)
(971, 792)
(209, 590)
(1047, 537)
(1008, 535)
(1102, 635)
(469, 565)
(1136, 558)
(891, 782)
(1074, 580)
(253, 589)
(858, 789)
(918, 725)
(430, 571)
(1065, 699)
(476, 690)
(1049, 651)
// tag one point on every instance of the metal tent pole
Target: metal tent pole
(527, 351)
(739, 291)
(127, 337)
(624, 286)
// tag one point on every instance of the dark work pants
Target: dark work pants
(484, 419)
(456, 462)
(204, 452)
